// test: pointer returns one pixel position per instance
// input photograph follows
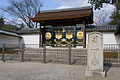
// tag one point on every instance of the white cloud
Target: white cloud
(63, 7)
(72, 3)
(20, 21)
(13, 21)
(107, 8)
(8, 20)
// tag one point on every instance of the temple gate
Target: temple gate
(59, 27)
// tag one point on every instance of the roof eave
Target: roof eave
(49, 19)
(11, 35)
(89, 14)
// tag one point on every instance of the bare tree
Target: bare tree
(24, 9)
(101, 18)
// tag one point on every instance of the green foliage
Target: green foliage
(99, 3)
(9, 27)
(1, 22)
(115, 15)
(113, 22)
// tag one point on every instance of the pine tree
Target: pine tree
(1, 22)
(115, 15)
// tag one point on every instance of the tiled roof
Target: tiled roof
(68, 9)
(31, 30)
(63, 15)
(9, 33)
(101, 28)
(89, 28)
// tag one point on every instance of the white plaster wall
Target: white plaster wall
(10, 41)
(30, 40)
(108, 38)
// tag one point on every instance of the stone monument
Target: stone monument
(95, 54)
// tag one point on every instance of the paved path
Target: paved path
(40, 71)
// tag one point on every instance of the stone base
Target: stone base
(79, 46)
(91, 73)
(48, 46)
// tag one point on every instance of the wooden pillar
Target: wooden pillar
(43, 34)
(36, 25)
(3, 53)
(23, 50)
(40, 39)
(84, 36)
(75, 34)
(69, 60)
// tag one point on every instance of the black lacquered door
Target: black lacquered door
(63, 36)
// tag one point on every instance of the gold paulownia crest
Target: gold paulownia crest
(69, 35)
(80, 35)
(58, 35)
(48, 35)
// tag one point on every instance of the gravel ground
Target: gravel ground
(40, 71)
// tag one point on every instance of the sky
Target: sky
(60, 4)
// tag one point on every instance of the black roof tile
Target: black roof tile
(89, 28)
